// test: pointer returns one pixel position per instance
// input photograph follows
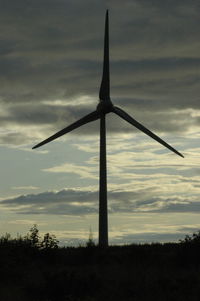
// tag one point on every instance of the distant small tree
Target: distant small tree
(5, 238)
(49, 242)
(20, 240)
(90, 242)
(33, 236)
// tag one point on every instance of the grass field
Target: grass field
(134, 272)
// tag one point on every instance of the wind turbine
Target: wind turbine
(104, 107)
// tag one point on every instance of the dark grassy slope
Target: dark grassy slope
(136, 272)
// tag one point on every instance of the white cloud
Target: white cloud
(81, 170)
(25, 222)
(25, 188)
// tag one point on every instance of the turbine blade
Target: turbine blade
(104, 92)
(139, 126)
(88, 118)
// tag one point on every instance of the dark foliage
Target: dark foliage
(194, 239)
(135, 272)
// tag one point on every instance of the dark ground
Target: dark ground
(134, 272)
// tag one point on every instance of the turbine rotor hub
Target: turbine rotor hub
(105, 106)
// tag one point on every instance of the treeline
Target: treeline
(49, 241)
(31, 239)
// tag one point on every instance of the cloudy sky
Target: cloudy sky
(50, 72)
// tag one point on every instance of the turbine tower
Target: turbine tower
(104, 107)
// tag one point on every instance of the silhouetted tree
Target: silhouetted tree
(194, 238)
(90, 242)
(33, 236)
(49, 242)
(5, 238)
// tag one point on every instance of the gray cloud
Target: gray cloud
(63, 202)
(45, 114)
(55, 117)
(82, 202)
(53, 50)
(14, 138)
